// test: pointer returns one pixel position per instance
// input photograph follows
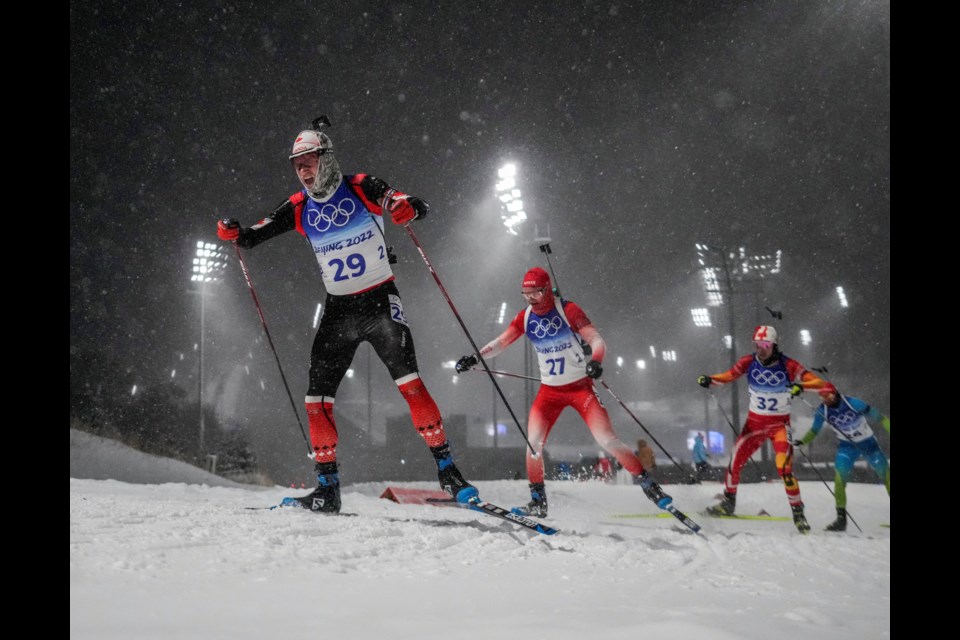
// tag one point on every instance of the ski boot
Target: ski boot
(840, 524)
(653, 491)
(726, 506)
(326, 497)
(537, 507)
(799, 519)
(450, 478)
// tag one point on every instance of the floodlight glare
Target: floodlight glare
(619, 361)
(701, 317)
(804, 337)
(843, 297)
(641, 364)
(711, 286)
(511, 204)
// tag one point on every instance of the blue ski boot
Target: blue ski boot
(450, 478)
(653, 491)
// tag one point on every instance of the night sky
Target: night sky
(638, 129)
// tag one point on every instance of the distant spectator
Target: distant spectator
(645, 453)
(700, 456)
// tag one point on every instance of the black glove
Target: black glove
(798, 442)
(795, 390)
(421, 207)
(704, 381)
(594, 370)
(466, 363)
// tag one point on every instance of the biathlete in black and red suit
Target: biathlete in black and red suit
(341, 217)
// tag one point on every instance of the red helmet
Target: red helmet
(827, 389)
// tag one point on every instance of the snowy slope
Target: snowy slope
(187, 559)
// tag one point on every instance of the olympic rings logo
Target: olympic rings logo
(546, 327)
(768, 378)
(845, 419)
(336, 215)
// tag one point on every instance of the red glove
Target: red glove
(401, 212)
(228, 229)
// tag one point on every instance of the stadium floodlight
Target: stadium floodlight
(503, 311)
(843, 297)
(619, 361)
(511, 204)
(701, 317)
(711, 286)
(653, 352)
(209, 263)
(669, 355)
(728, 342)
(641, 364)
(805, 337)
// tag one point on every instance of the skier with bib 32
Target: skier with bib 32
(773, 380)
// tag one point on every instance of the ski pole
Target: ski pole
(763, 476)
(469, 337)
(647, 431)
(509, 375)
(517, 375)
(246, 275)
(545, 248)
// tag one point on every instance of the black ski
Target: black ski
(498, 512)
(682, 517)
(284, 506)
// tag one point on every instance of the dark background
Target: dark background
(638, 129)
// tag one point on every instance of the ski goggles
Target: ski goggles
(764, 344)
(533, 295)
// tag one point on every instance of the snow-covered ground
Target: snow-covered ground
(165, 550)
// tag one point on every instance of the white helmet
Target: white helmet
(765, 332)
(309, 141)
(328, 170)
